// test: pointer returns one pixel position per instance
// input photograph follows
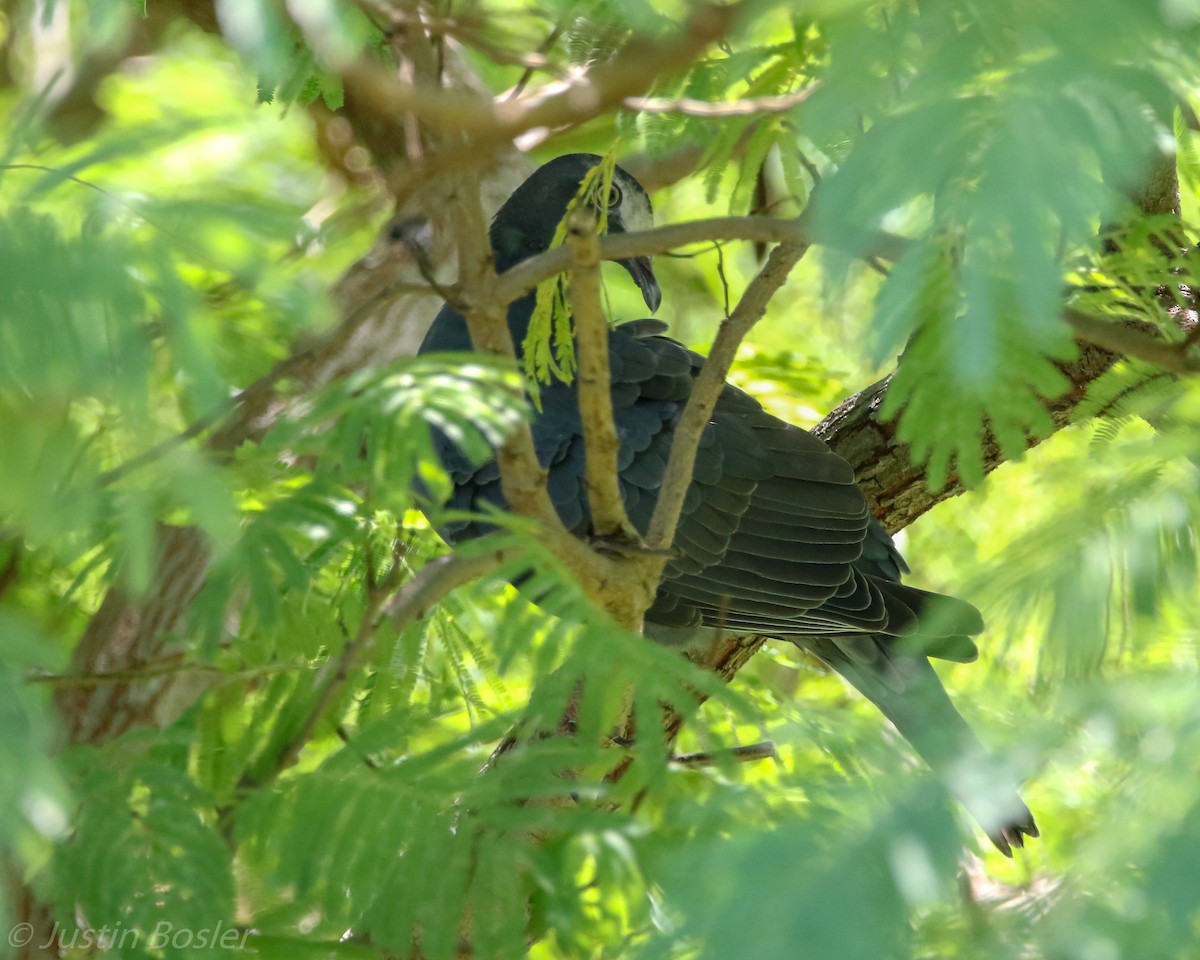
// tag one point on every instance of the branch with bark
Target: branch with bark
(609, 519)
(490, 123)
(708, 386)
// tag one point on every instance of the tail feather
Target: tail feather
(908, 692)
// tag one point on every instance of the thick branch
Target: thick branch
(600, 439)
(127, 632)
(522, 477)
(488, 123)
(895, 484)
(883, 466)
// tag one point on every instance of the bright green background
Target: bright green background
(154, 263)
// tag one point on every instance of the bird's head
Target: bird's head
(525, 225)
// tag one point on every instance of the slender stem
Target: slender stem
(164, 670)
(796, 231)
(708, 386)
(725, 108)
(1126, 339)
(443, 574)
(753, 751)
(543, 49)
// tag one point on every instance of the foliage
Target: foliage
(168, 238)
(549, 346)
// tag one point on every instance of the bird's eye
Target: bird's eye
(614, 197)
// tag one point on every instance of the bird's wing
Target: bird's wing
(934, 625)
(772, 521)
(776, 539)
(476, 491)
(775, 536)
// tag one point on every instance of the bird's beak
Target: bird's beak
(639, 268)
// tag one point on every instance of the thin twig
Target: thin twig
(1127, 340)
(724, 280)
(245, 407)
(542, 50)
(10, 573)
(180, 239)
(746, 754)
(645, 243)
(707, 388)
(600, 441)
(709, 110)
(443, 574)
(522, 478)
(153, 672)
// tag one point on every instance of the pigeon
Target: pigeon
(776, 539)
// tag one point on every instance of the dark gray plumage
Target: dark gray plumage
(775, 538)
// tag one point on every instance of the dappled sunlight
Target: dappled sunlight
(264, 674)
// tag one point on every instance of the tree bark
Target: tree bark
(895, 485)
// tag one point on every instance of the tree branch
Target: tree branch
(488, 123)
(708, 386)
(126, 632)
(446, 573)
(172, 666)
(368, 331)
(754, 751)
(883, 466)
(404, 607)
(1135, 338)
(522, 477)
(600, 441)
(709, 110)
(797, 231)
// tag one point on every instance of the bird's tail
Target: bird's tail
(907, 690)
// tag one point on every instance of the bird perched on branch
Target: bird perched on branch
(775, 538)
